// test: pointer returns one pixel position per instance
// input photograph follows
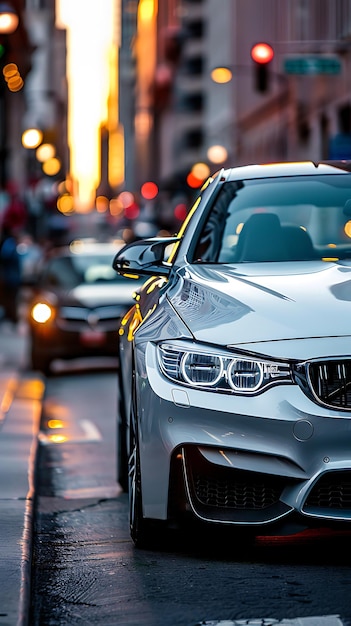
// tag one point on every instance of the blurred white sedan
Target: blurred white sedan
(77, 304)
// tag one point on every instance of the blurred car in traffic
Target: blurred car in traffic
(77, 302)
(235, 376)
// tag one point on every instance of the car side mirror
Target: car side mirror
(144, 258)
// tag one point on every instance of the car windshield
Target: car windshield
(79, 269)
(278, 219)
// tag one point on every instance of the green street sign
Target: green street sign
(312, 65)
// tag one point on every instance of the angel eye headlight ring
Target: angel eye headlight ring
(201, 369)
(245, 375)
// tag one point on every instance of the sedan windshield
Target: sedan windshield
(72, 270)
(278, 219)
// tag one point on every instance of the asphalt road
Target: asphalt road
(87, 571)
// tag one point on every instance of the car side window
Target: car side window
(210, 241)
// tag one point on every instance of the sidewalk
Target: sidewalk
(21, 392)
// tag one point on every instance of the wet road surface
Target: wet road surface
(87, 571)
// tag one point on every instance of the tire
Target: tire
(122, 434)
(122, 456)
(141, 530)
(39, 362)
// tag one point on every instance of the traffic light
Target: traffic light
(262, 55)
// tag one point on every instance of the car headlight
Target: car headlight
(42, 312)
(204, 368)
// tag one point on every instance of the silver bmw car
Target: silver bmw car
(235, 376)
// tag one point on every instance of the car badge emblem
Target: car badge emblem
(93, 319)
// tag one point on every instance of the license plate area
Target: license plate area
(92, 337)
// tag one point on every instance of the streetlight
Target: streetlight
(8, 23)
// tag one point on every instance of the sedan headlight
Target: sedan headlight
(42, 312)
(201, 369)
(204, 368)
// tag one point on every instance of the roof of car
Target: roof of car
(87, 247)
(293, 168)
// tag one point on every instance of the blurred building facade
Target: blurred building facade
(16, 49)
(172, 113)
(46, 85)
(38, 50)
(305, 112)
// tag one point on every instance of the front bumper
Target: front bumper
(52, 342)
(249, 461)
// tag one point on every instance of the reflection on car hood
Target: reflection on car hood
(232, 305)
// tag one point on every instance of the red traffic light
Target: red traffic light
(262, 53)
(149, 190)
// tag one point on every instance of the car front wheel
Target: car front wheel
(137, 524)
(122, 452)
(142, 530)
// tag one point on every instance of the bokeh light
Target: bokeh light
(65, 204)
(217, 154)
(31, 138)
(193, 181)
(180, 211)
(149, 190)
(347, 228)
(51, 167)
(102, 204)
(44, 152)
(221, 75)
(200, 171)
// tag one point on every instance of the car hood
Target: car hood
(259, 303)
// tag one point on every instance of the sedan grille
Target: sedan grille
(73, 318)
(330, 382)
(332, 491)
(237, 490)
(326, 382)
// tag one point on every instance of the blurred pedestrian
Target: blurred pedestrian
(10, 273)
(15, 214)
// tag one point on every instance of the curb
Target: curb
(20, 415)
(34, 393)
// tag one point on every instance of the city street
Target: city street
(175, 289)
(20, 408)
(85, 568)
